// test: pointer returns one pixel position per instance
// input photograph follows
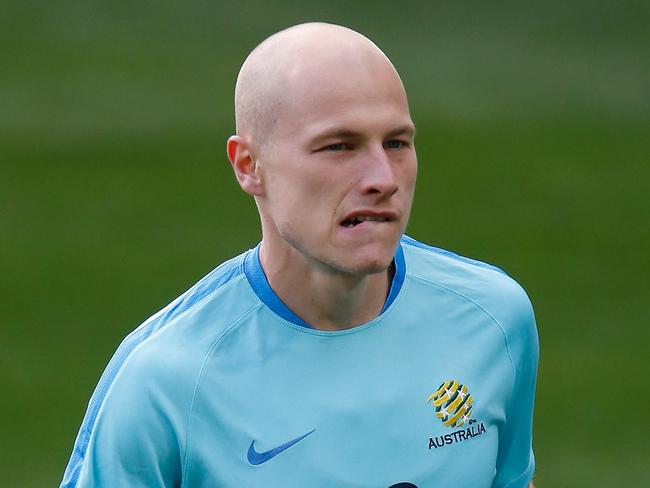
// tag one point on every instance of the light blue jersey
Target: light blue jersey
(227, 387)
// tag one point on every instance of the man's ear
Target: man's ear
(244, 165)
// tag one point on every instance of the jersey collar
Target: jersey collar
(261, 287)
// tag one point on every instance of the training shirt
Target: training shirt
(226, 386)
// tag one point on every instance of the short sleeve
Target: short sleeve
(136, 438)
(515, 459)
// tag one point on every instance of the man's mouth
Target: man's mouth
(355, 220)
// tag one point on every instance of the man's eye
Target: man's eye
(339, 146)
(395, 144)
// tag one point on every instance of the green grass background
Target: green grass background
(116, 195)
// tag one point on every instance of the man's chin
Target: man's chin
(371, 259)
(358, 259)
(368, 265)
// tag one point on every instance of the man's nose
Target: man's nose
(379, 173)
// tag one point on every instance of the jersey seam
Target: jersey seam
(485, 311)
(185, 464)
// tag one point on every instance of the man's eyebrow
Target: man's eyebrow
(337, 133)
(405, 130)
(343, 133)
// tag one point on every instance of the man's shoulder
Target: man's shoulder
(205, 311)
(174, 341)
(483, 284)
(213, 290)
(440, 264)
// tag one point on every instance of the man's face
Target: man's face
(339, 170)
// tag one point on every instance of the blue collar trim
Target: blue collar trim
(261, 287)
(398, 277)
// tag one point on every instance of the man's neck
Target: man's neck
(324, 298)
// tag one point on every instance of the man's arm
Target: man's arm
(135, 428)
(515, 459)
(136, 441)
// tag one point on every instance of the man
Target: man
(338, 352)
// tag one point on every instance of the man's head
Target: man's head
(325, 140)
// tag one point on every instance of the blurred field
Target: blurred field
(116, 195)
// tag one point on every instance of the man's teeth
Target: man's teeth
(361, 218)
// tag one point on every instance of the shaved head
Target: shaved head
(286, 67)
(324, 141)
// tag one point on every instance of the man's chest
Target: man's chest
(374, 411)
